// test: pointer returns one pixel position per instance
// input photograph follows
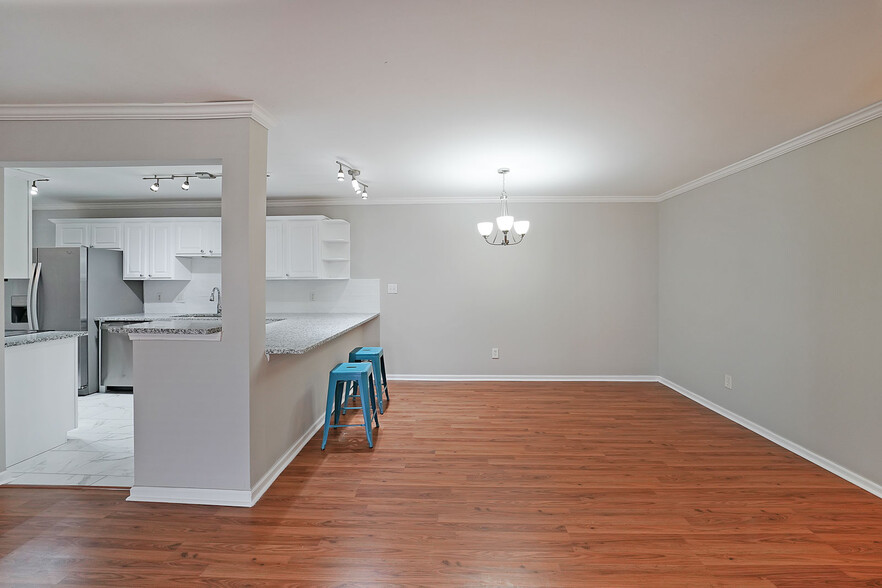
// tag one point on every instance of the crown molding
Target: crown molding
(318, 201)
(171, 111)
(837, 126)
(41, 204)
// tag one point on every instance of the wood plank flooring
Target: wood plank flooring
(526, 484)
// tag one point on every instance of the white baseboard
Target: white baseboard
(515, 378)
(832, 467)
(211, 496)
(268, 478)
(7, 476)
(217, 497)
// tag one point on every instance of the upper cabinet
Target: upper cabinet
(16, 227)
(307, 248)
(297, 247)
(101, 234)
(198, 238)
(148, 252)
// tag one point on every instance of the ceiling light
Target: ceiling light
(359, 187)
(504, 222)
(364, 194)
(34, 190)
(154, 187)
(340, 175)
(186, 184)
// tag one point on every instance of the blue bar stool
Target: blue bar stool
(359, 374)
(375, 356)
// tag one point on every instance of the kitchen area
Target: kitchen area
(99, 282)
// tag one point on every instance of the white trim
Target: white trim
(6, 476)
(140, 111)
(268, 478)
(210, 496)
(830, 466)
(43, 204)
(514, 378)
(837, 126)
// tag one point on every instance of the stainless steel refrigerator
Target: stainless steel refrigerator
(70, 287)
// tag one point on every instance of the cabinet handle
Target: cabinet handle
(142, 275)
(202, 251)
(211, 251)
(287, 275)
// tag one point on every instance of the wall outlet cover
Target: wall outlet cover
(392, 288)
(727, 381)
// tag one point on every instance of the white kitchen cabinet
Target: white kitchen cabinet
(275, 250)
(98, 234)
(200, 238)
(148, 252)
(106, 235)
(301, 249)
(16, 227)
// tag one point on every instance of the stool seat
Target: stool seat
(360, 375)
(373, 355)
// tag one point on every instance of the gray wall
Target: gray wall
(578, 297)
(773, 275)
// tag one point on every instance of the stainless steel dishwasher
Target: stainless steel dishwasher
(115, 357)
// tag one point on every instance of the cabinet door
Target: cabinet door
(191, 238)
(160, 252)
(16, 223)
(213, 229)
(275, 250)
(73, 235)
(107, 235)
(135, 251)
(301, 238)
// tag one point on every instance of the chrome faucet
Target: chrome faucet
(213, 290)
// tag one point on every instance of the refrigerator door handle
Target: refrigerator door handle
(33, 288)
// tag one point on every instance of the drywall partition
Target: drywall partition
(191, 429)
(3, 355)
(577, 299)
(772, 275)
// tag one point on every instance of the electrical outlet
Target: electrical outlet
(159, 296)
(392, 288)
(494, 353)
(727, 381)
(312, 296)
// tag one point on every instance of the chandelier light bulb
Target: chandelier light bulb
(186, 184)
(155, 186)
(340, 175)
(355, 185)
(485, 229)
(521, 227)
(33, 190)
(504, 223)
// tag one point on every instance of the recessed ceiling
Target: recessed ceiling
(428, 98)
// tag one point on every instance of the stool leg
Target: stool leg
(375, 366)
(362, 380)
(385, 381)
(374, 400)
(345, 398)
(338, 399)
(328, 408)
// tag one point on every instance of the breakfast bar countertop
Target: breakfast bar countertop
(14, 340)
(300, 333)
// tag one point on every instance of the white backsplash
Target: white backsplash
(282, 296)
(287, 296)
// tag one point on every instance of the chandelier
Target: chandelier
(505, 223)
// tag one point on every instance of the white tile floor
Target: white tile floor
(100, 452)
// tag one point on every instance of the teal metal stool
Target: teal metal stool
(359, 374)
(375, 356)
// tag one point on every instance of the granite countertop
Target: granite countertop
(172, 326)
(300, 333)
(16, 340)
(152, 316)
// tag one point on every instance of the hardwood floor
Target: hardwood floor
(528, 484)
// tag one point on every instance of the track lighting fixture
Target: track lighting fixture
(357, 185)
(154, 187)
(34, 190)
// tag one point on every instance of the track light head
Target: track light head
(33, 189)
(340, 175)
(154, 187)
(186, 184)
(364, 194)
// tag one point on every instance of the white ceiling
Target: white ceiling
(581, 98)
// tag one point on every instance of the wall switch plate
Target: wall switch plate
(494, 353)
(727, 381)
(392, 288)
(312, 296)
